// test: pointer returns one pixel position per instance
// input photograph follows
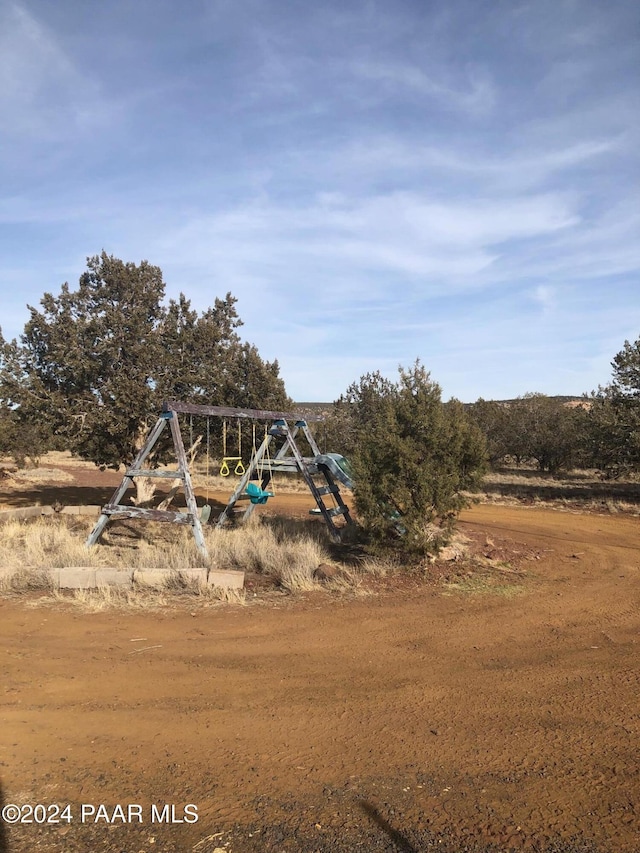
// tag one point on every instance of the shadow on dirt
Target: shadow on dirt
(65, 495)
(4, 841)
(401, 843)
(587, 492)
(50, 495)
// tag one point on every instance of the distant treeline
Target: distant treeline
(600, 430)
(93, 365)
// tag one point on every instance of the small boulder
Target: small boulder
(325, 572)
(450, 553)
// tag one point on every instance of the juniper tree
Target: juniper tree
(534, 428)
(94, 364)
(21, 439)
(615, 416)
(494, 420)
(413, 457)
(544, 429)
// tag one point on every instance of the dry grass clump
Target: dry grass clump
(484, 583)
(44, 542)
(26, 580)
(175, 552)
(43, 475)
(377, 567)
(139, 598)
(30, 548)
(56, 543)
(113, 597)
(54, 458)
(286, 553)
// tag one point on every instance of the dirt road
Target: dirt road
(414, 720)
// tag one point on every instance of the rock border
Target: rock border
(90, 577)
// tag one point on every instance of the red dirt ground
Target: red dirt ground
(413, 720)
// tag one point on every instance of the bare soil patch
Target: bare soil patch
(496, 710)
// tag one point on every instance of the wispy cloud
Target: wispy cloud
(544, 296)
(375, 182)
(521, 167)
(407, 233)
(42, 93)
(476, 94)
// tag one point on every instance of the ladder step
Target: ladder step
(327, 490)
(289, 468)
(152, 472)
(336, 510)
(330, 512)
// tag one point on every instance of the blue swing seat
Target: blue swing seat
(257, 495)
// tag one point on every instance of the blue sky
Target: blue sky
(455, 181)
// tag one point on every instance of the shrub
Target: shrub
(615, 416)
(413, 457)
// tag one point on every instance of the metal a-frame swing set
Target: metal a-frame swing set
(331, 469)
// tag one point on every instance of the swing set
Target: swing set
(261, 468)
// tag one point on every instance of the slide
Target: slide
(338, 467)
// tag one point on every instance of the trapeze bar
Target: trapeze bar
(229, 412)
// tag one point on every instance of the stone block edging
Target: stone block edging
(89, 577)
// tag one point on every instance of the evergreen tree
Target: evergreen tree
(94, 364)
(615, 416)
(533, 428)
(413, 458)
(545, 430)
(20, 439)
(494, 420)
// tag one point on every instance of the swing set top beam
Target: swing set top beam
(230, 412)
